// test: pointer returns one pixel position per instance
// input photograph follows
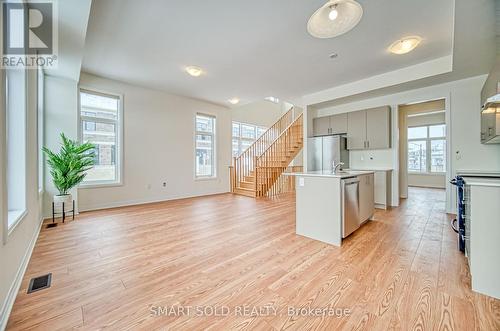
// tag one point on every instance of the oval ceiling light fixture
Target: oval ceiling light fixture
(334, 18)
(405, 45)
(234, 101)
(194, 71)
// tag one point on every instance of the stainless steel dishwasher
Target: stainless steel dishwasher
(350, 206)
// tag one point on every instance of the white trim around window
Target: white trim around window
(212, 133)
(119, 123)
(15, 148)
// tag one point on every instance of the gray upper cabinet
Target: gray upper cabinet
(338, 124)
(321, 126)
(335, 124)
(369, 129)
(378, 129)
(356, 130)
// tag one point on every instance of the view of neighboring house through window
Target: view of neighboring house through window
(205, 146)
(244, 136)
(15, 92)
(427, 149)
(100, 124)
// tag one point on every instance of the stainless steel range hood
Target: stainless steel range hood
(490, 112)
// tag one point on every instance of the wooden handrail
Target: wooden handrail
(284, 132)
(270, 165)
(244, 164)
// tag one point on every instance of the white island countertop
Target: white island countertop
(329, 174)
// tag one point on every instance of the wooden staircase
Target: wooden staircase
(258, 171)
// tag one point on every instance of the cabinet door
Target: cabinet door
(356, 130)
(321, 126)
(378, 128)
(366, 197)
(338, 124)
(380, 188)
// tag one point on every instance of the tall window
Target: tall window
(101, 124)
(40, 126)
(16, 144)
(244, 135)
(427, 149)
(205, 146)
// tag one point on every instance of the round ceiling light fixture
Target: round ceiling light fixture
(234, 101)
(405, 45)
(334, 18)
(194, 71)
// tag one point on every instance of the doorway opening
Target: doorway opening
(423, 146)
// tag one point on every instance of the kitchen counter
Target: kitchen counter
(482, 181)
(373, 169)
(340, 174)
(478, 173)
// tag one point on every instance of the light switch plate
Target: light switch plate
(301, 181)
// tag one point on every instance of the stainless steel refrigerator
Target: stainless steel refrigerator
(322, 151)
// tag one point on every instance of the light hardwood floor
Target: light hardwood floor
(112, 268)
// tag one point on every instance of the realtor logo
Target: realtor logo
(29, 34)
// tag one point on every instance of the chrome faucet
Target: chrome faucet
(337, 166)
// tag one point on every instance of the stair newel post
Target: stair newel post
(234, 179)
(256, 167)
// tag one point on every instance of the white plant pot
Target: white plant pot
(67, 199)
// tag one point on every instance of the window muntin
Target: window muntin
(205, 146)
(244, 135)
(15, 92)
(100, 124)
(427, 149)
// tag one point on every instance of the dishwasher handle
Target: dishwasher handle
(351, 181)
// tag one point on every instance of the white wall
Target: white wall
(61, 105)
(463, 107)
(159, 147)
(15, 250)
(262, 113)
(427, 180)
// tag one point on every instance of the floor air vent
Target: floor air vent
(39, 283)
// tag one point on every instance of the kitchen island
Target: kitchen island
(330, 206)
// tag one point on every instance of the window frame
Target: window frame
(213, 134)
(40, 128)
(119, 123)
(428, 152)
(240, 138)
(21, 213)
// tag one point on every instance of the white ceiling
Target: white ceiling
(253, 49)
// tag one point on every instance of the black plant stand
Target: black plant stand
(64, 212)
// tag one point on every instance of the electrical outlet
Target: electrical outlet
(164, 184)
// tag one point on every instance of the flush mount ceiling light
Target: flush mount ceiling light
(405, 45)
(234, 101)
(334, 18)
(194, 71)
(272, 99)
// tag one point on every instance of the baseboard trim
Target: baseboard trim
(16, 284)
(128, 203)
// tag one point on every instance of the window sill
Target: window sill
(427, 173)
(100, 185)
(203, 179)
(14, 219)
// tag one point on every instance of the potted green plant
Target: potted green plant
(69, 167)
